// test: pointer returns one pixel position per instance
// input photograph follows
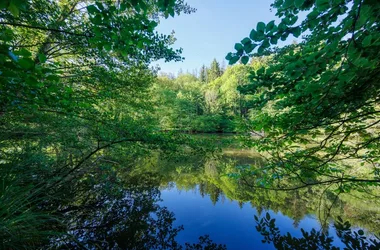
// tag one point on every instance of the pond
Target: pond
(207, 200)
(193, 201)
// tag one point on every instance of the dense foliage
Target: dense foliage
(317, 101)
(209, 102)
(74, 94)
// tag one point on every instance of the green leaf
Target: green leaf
(253, 35)
(171, 12)
(107, 47)
(270, 26)
(298, 3)
(233, 60)
(260, 50)
(2, 59)
(24, 52)
(228, 56)
(13, 9)
(124, 53)
(265, 44)
(100, 5)
(123, 6)
(97, 19)
(361, 232)
(3, 4)
(143, 6)
(260, 71)
(53, 78)
(267, 216)
(33, 82)
(248, 48)
(367, 41)
(239, 46)
(92, 9)
(6, 35)
(244, 60)
(296, 31)
(42, 58)
(134, 2)
(282, 27)
(246, 40)
(273, 40)
(293, 20)
(287, 4)
(26, 63)
(322, 4)
(260, 27)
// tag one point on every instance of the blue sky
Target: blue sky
(213, 30)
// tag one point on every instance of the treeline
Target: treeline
(206, 102)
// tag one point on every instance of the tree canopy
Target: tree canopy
(75, 82)
(323, 91)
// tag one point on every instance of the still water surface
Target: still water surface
(166, 201)
(226, 221)
(207, 201)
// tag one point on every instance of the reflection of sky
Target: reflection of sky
(226, 222)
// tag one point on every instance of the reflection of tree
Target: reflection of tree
(202, 187)
(299, 209)
(211, 168)
(319, 200)
(130, 220)
(214, 192)
(314, 239)
(206, 244)
(110, 216)
(123, 214)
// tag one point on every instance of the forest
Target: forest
(89, 130)
(206, 103)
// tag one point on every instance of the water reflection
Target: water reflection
(207, 199)
(126, 218)
(351, 239)
(175, 202)
(124, 215)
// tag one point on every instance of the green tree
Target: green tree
(203, 74)
(322, 92)
(214, 71)
(234, 77)
(75, 83)
(179, 102)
